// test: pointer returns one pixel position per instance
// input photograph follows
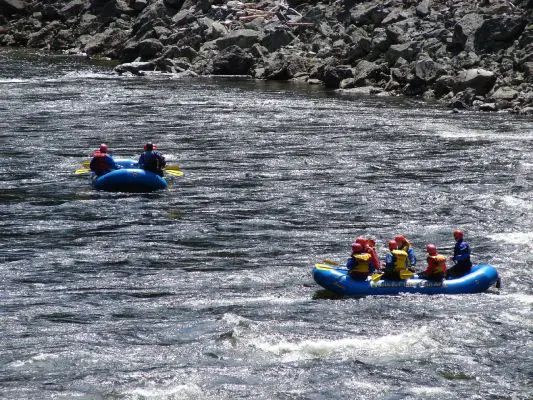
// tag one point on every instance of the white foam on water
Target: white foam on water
(516, 202)
(512, 237)
(429, 391)
(179, 392)
(402, 346)
(224, 302)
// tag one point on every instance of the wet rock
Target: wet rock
(135, 68)
(334, 74)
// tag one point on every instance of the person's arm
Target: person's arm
(111, 162)
(350, 263)
(141, 161)
(412, 257)
(389, 262)
(464, 252)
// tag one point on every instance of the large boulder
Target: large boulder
(244, 38)
(480, 80)
(464, 32)
(428, 70)
(280, 66)
(405, 51)
(498, 33)
(106, 43)
(233, 60)
(277, 38)
(334, 74)
(8, 7)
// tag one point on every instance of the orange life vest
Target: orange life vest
(436, 264)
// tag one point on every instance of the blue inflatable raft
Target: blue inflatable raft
(129, 178)
(337, 280)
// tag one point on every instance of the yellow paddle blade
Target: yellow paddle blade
(406, 274)
(331, 262)
(376, 277)
(86, 164)
(172, 167)
(323, 266)
(172, 172)
(403, 275)
(82, 171)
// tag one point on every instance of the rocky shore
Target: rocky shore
(462, 53)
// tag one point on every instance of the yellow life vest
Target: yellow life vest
(400, 260)
(362, 262)
(439, 263)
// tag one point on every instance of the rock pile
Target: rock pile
(461, 53)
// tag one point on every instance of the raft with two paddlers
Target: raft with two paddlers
(130, 178)
(338, 281)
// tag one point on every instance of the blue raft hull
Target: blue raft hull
(129, 178)
(337, 280)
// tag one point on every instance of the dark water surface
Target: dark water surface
(204, 291)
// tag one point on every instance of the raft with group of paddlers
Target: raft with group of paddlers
(365, 274)
(125, 175)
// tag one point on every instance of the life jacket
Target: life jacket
(361, 263)
(153, 161)
(400, 260)
(99, 162)
(406, 247)
(374, 255)
(436, 264)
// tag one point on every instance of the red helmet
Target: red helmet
(361, 240)
(458, 234)
(393, 245)
(357, 248)
(431, 249)
(149, 147)
(103, 148)
(399, 239)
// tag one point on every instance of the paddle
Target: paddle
(327, 261)
(403, 275)
(172, 170)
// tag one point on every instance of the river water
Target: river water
(204, 291)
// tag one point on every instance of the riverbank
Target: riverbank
(462, 54)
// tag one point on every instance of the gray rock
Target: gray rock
(135, 68)
(464, 32)
(139, 5)
(277, 38)
(428, 70)
(498, 33)
(244, 38)
(423, 8)
(149, 49)
(364, 14)
(9, 7)
(233, 60)
(407, 51)
(480, 80)
(73, 8)
(334, 74)
(504, 93)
